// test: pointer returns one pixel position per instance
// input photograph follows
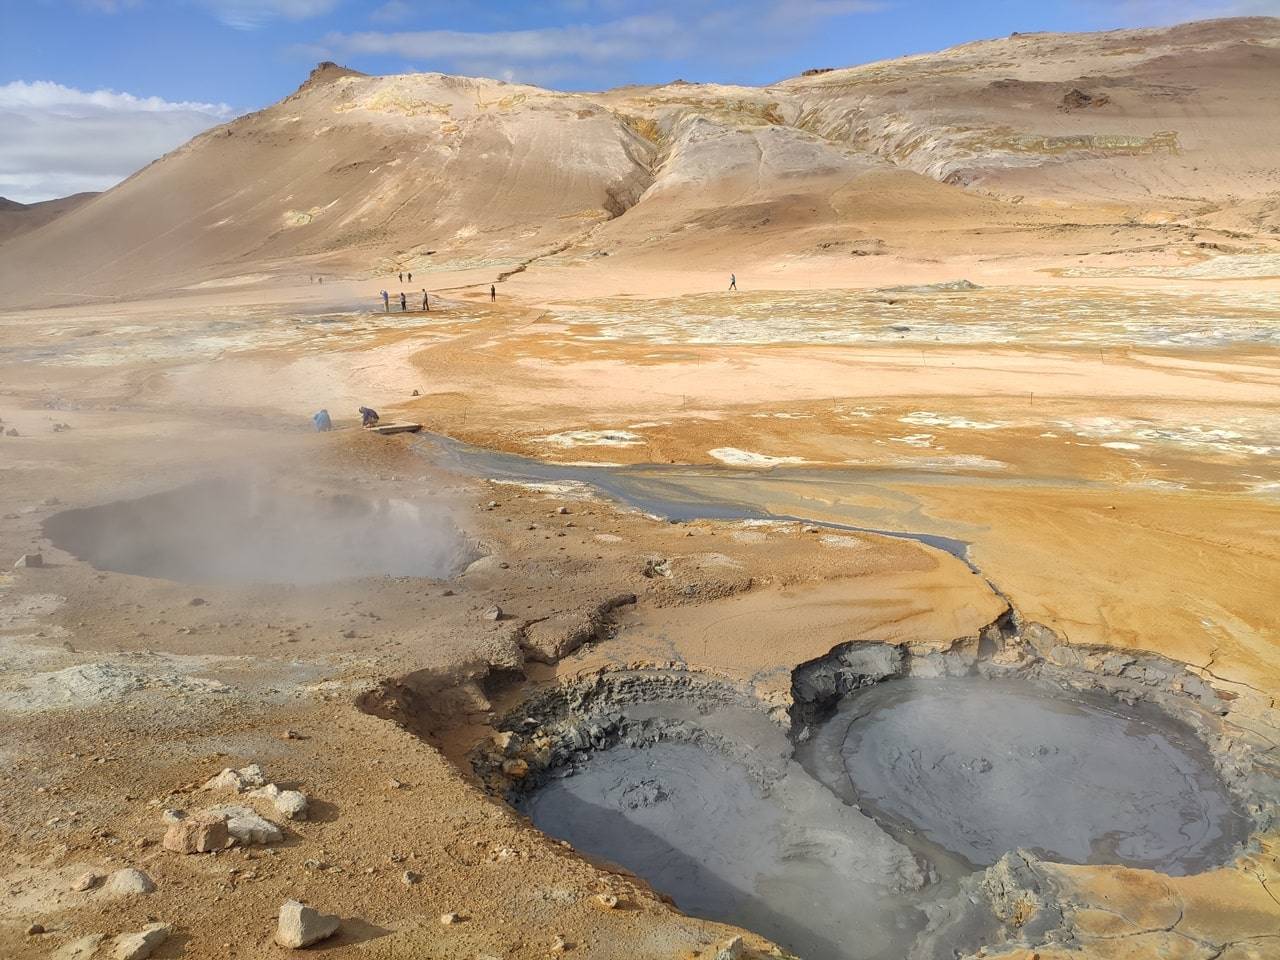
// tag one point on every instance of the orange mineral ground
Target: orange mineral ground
(998, 392)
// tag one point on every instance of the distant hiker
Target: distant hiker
(386, 302)
(403, 302)
(493, 293)
(322, 279)
(368, 418)
(426, 303)
(322, 421)
(733, 282)
(402, 276)
(411, 277)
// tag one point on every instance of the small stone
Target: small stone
(560, 944)
(87, 881)
(449, 919)
(29, 560)
(312, 864)
(292, 804)
(409, 878)
(172, 815)
(138, 946)
(809, 529)
(11, 432)
(493, 613)
(197, 602)
(291, 735)
(300, 926)
(129, 882)
(202, 833)
(517, 768)
(35, 929)
(417, 393)
(395, 784)
(732, 949)
(607, 900)
(563, 511)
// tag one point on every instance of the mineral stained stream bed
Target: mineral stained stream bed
(837, 847)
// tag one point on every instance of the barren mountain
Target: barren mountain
(352, 173)
(18, 218)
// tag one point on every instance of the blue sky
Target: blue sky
(135, 78)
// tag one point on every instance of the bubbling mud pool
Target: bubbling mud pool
(241, 531)
(840, 848)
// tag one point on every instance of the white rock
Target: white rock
(87, 880)
(732, 949)
(129, 882)
(138, 946)
(291, 803)
(300, 925)
(246, 778)
(247, 825)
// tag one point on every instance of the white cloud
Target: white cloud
(393, 11)
(57, 140)
(251, 14)
(1165, 12)
(660, 30)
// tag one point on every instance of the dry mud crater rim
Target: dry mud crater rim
(684, 780)
(242, 531)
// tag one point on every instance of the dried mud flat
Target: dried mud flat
(422, 636)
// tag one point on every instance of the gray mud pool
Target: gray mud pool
(244, 531)
(836, 850)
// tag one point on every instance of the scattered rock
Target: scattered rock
(562, 511)
(409, 878)
(202, 833)
(449, 919)
(395, 784)
(290, 803)
(129, 882)
(560, 945)
(11, 432)
(300, 926)
(246, 778)
(291, 735)
(138, 946)
(517, 769)
(29, 560)
(35, 929)
(493, 613)
(732, 949)
(197, 602)
(607, 900)
(87, 881)
(247, 826)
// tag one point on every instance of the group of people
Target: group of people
(404, 301)
(324, 423)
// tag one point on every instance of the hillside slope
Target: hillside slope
(357, 174)
(19, 218)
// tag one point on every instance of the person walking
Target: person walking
(402, 276)
(403, 302)
(411, 276)
(426, 302)
(733, 281)
(493, 293)
(386, 302)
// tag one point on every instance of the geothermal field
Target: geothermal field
(915, 600)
